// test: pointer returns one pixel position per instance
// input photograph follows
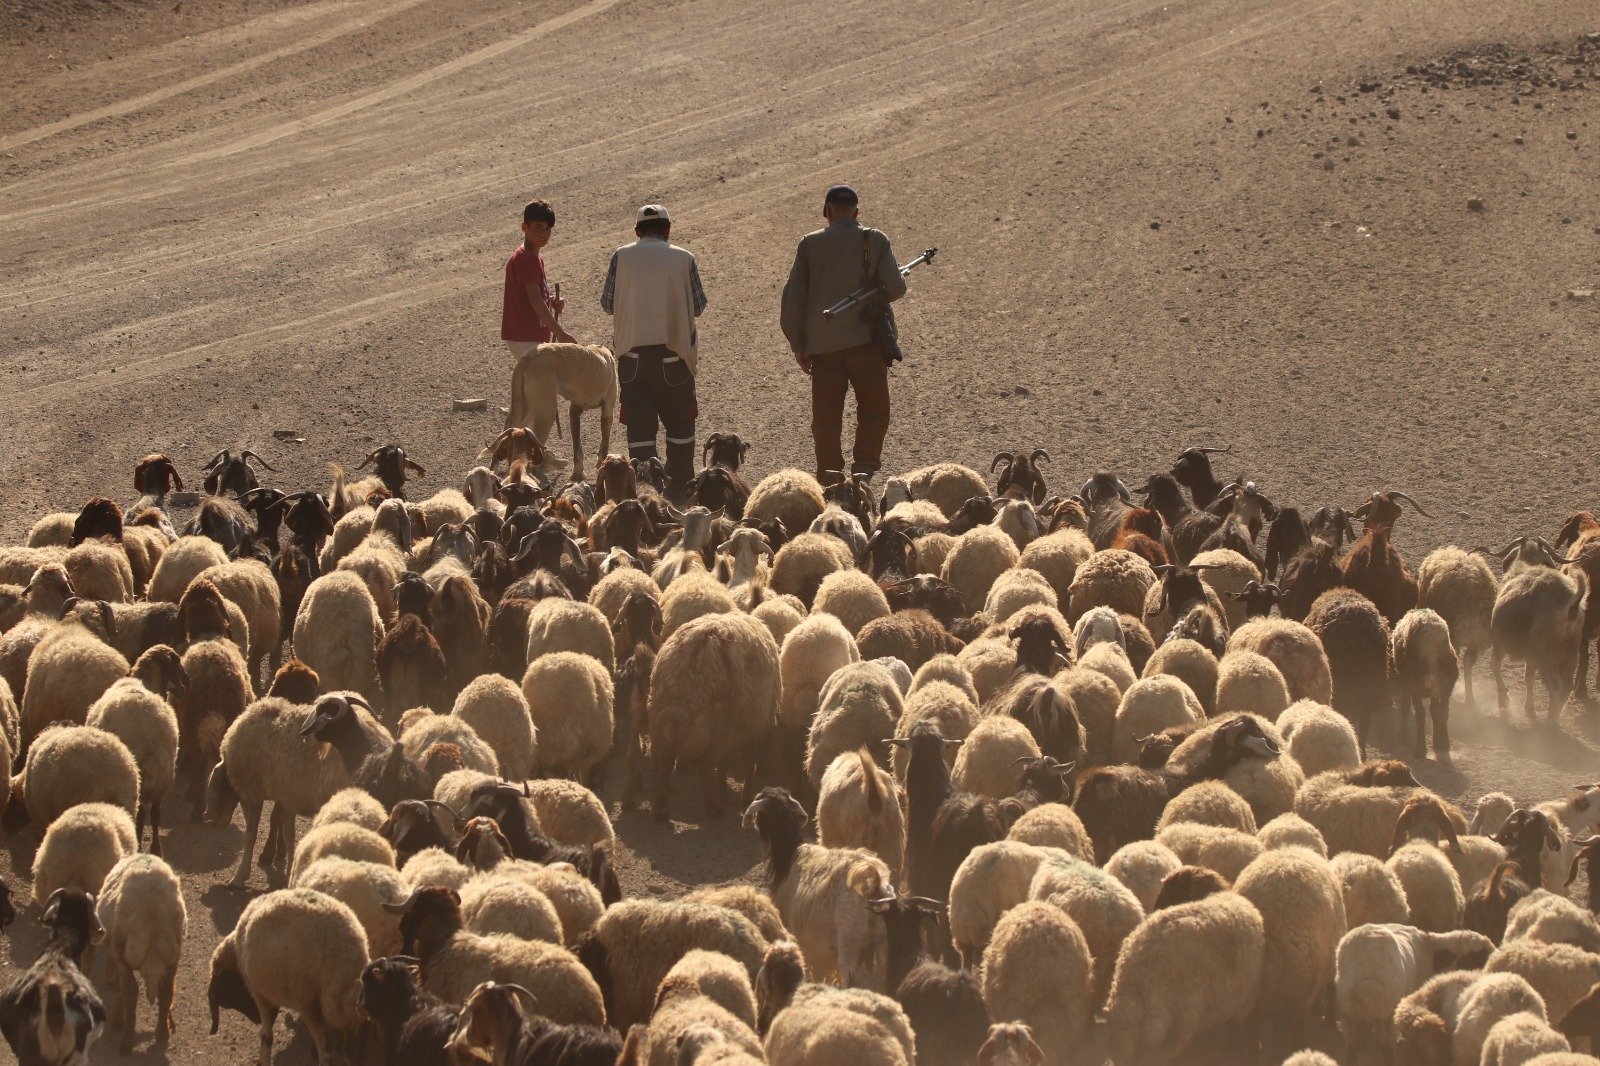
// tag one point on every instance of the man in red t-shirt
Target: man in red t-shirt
(529, 314)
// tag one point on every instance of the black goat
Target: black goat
(509, 807)
(232, 476)
(414, 1025)
(53, 1001)
(945, 1006)
(390, 464)
(1019, 475)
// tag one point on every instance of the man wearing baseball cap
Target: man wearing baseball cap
(653, 294)
(840, 353)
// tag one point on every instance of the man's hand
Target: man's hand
(804, 362)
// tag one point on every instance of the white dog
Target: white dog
(585, 375)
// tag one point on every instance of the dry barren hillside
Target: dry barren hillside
(1161, 224)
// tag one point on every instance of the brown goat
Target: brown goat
(156, 475)
(297, 683)
(615, 480)
(1421, 810)
(1581, 533)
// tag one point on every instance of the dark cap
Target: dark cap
(843, 195)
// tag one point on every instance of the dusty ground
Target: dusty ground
(1160, 224)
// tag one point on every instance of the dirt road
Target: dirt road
(1161, 224)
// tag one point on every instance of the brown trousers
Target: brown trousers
(832, 375)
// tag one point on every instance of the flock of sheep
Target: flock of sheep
(1087, 774)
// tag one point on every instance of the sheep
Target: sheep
(570, 698)
(134, 711)
(80, 848)
(1053, 825)
(713, 697)
(69, 670)
(50, 1012)
(947, 708)
(141, 908)
(1037, 970)
(991, 662)
(73, 764)
(780, 615)
(790, 496)
(1460, 588)
(1356, 639)
(340, 840)
(1378, 965)
(1103, 907)
(990, 880)
(1562, 974)
(435, 867)
(184, 560)
(1319, 738)
(1294, 649)
(1247, 681)
(1423, 1018)
(569, 812)
(822, 892)
(1227, 851)
(421, 730)
(810, 654)
(1356, 810)
(980, 556)
(1155, 1011)
(364, 887)
(1538, 617)
(1014, 590)
(1289, 830)
(1057, 557)
(859, 705)
(857, 807)
(1433, 889)
(1111, 578)
(1372, 893)
(577, 901)
(852, 597)
(295, 949)
(456, 961)
(683, 1019)
(100, 570)
(1149, 705)
(499, 901)
(337, 632)
(1425, 669)
(692, 596)
(1517, 1038)
(1141, 866)
(1554, 919)
(497, 711)
(45, 599)
(743, 899)
(1482, 1004)
(987, 762)
(250, 584)
(563, 625)
(1209, 803)
(1096, 699)
(1191, 663)
(611, 590)
(354, 806)
(820, 1025)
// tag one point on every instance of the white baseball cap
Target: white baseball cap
(651, 213)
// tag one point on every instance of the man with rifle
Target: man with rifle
(837, 320)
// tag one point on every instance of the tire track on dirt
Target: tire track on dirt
(200, 81)
(670, 127)
(787, 181)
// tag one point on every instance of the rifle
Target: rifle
(867, 292)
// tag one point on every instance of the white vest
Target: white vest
(653, 302)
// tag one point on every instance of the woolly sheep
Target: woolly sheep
(148, 726)
(140, 905)
(100, 571)
(337, 632)
(250, 584)
(1372, 893)
(1553, 919)
(1157, 613)
(364, 887)
(859, 706)
(1156, 1008)
(747, 900)
(780, 615)
(1015, 589)
(1054, 825)
(80, 848)
(499, 902)
(568, 812)
(1433, 891)
(610, 591)
(1294, 650)
(713, 696)
(1302, 911)
(991, 880)
(1103, 907)
(435, 867)
(1491, 813)
(1517, 1038)
(1423, 1018)
(1378, 965)
(1191, 663)
(720, 979)
(1269, 786)
(1209, 803)
(1112, 578)
(496, 710)
(1250, 682)
(801, 565)
(951, 711)
(1037, 969)
(1096, 698)
(348, 532)
(1097, 625)
(1352, 817)
(1142, 866)
(70, 668)
(1227, 851)
(421, 729)
(1150, 705)
(184, 560)
(300, 950)
(1057, 557)
(833, 1025)
(342, 840)
(569, 698)
(852, 597)
(946, 485)
(986, 763)
(979, 557)
(1113, 663)
(73, 764)
(556, 624)
(1562, 974)
(946, 668)
(792, 496)
(990, 662)
(810, 654)
(1460, 586)
(53, 530)
(355, 806)
(691, 596)
(1289, 830)
(1484, 1003)
(858, 807)
(1225, 572)
(932, 551)
(685, 1019)
(897, 670)
(1319, 737)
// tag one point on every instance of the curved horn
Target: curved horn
(247, 455)
(371, 457)
(1039, 453)
(1214, 451)
(1008, 457)
(1122, 490)
(1413, 503)
(443, 806)
(401, 906)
